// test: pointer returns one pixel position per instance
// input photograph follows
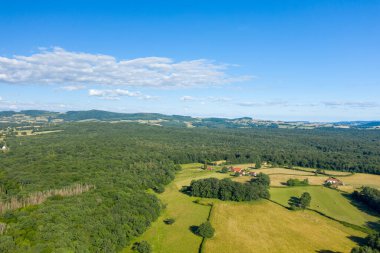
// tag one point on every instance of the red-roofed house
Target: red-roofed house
(333, 181)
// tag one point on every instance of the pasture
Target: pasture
(177, 237)
(267, 227)
(258, 226)
(327, 201)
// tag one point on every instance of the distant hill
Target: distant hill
(41, 117)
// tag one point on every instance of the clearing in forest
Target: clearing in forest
(328, 201)
(258, 226)
(267, 227)
(177, 237)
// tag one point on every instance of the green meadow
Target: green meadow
(258, 226)
(328, 201)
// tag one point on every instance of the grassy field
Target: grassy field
(327, 201)
(23, 133)
(177, 237)
(279, 176)
(351, 182)
(359, 179)
(266, 227)
(260, 226)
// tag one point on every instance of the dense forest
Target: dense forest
(85, 189)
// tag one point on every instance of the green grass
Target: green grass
(177, 237)
(261, 225)
(266, 227)
(327, 201)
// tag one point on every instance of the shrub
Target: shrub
(206, 230)
(224, 170)
(261, 179)
(159, 189)
(169, 221)
(297, 182)
(142, 247)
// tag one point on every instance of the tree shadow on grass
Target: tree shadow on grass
(358, 240)
(293, 201)
(185, 190)
(373, 225)
(194, 229)
(361, 206)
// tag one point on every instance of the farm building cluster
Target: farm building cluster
(236, 171)
(242, 172)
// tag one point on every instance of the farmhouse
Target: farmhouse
(333, 181)
(236, 170)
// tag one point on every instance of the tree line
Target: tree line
(226, 189)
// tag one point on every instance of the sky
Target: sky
(315, 60)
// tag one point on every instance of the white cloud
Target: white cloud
(351, 104)
(205, 99)
(1, 98)
(59, 66)
(113, 94)
(219, 99)
(187, 98)
(21, 105)
(73, 87)
(267, 103)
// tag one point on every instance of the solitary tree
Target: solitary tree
(258, 163)
(224, 169)
(305, 200)
(206, 230)
(261, 179)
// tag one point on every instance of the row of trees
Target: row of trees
(226, 189)
(297, 182)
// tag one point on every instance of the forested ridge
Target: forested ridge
(122, 160)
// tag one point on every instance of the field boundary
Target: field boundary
(201, 246)
(323, 174)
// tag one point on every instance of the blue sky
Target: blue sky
(282, 60)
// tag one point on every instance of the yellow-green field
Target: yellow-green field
(327, 201)
(22, 133)
(260, 226)
(177, 237)
(331, 172)
(266, 227)
(279, 176)
(360, 179)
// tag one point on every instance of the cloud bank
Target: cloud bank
(61, 67)
(117, 93)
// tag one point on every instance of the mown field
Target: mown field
(279, 176)
(178, 236)
(328, 201)
(260, 226)
(266, 227)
